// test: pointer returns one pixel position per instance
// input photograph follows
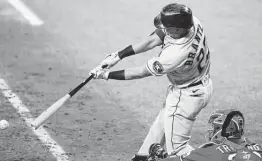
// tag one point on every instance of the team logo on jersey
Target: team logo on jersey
(158, 67)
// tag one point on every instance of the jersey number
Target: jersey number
(203, 56)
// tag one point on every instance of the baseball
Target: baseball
(3, 124)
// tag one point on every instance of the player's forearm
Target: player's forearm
(129, 74)
(143, 46)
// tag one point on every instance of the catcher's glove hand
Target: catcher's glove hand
(156, 152)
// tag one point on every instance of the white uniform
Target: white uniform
(186, 62)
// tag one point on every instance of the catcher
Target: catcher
(225, 142)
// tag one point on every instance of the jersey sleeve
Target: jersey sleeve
(169, 59)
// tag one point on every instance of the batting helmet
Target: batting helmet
(174, 15)
(226, 124)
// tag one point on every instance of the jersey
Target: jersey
(227, 151)
(185, 60)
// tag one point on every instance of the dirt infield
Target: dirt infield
(108, 120)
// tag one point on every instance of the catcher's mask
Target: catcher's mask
(225, 124)
(174, 15)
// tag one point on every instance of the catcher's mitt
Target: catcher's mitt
(156, 152)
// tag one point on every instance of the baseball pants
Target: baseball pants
(175, 120)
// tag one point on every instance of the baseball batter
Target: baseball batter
(185, 60)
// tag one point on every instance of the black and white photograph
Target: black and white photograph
(118, 80)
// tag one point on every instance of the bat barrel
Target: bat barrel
(49, 112)
(52, 109)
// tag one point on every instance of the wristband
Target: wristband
(128, 51)
(118, 75)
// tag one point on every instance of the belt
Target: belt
(198, 82)
(194, 84)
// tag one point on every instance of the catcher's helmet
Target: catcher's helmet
(174, 15)
(226, 124)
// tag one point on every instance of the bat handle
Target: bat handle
(75, 90)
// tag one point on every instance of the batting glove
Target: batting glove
(110, 60)
(99, 73)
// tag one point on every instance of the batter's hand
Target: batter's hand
(99, 73)
(110, 60)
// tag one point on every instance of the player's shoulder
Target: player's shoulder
(198, 24)
(171, 49)
(214, 143)
(252, 145)
(249, 141)
(196, 20)
(251, 149)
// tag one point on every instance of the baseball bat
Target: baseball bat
(58, 104)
